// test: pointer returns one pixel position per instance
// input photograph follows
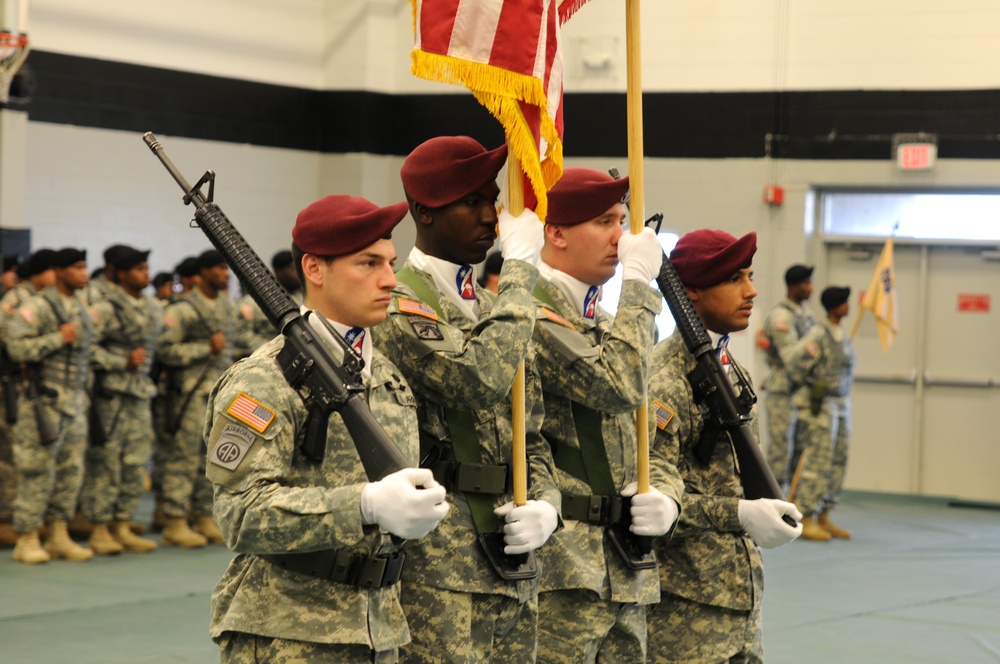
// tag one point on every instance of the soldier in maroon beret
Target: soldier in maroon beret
(459, 348)
(711, 575)
(594, 368)
(329, 546)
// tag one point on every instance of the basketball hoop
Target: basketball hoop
(13, 51)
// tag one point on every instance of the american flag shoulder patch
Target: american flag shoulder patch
(418, 308)
(663, 415)
(251, 412)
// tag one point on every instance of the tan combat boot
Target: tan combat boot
(177, 533)
(122, 531)
(101, 541)
(831, 527)
(8, 536)
(59, 544)
(812, 530)
(29, 550)
(206, 526)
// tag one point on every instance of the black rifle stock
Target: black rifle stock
(755, 475)
(10, 372)
(325, 384)
(48, 433)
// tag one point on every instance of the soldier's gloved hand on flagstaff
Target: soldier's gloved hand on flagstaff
(761, 519)
(408, 503)
(653, 513)
(641, 255)
(521, 237)
(528, 525)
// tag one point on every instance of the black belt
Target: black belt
(597, 510)
(472, 477)
(355, 569)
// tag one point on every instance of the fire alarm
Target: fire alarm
(774, 194)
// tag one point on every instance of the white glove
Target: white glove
(528, 525)
(641, 255)
(521, 237)
(761, 519)
(653, 513)
(398, 505)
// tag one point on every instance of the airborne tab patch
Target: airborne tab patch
(248, 410)
(663, 415)
(418, 308)
(232, 446)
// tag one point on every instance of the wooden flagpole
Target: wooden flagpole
(637, 213)
(519, 454)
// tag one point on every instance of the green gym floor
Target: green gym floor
(920, 582)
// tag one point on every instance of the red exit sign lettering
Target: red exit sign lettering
(916, 156)
(973, 303)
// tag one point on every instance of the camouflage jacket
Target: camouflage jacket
(825, 355)
(785, 324)
(451, 362)
(253, 329)
(604, 368)
(709, 559)
(123, 323)
(187, 326)
(33, 336)
(270, 499)
(10, 302)
(97, 289)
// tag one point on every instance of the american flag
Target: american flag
(251, 411)
(508, 53)
(663, 415)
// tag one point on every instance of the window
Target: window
(943, 216)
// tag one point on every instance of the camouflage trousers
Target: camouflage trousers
(450, 627)
(184, 485)
(686, 632)
(161, 442)
(240, 648)
(841, 418)
(49, 477)
(8, 473)
(578, 627)
(814, 437)
(116, 469)
(780, 424)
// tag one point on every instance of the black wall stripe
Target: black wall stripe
(824, 124)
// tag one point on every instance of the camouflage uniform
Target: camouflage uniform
(711, 573)
(593, 605)
(786, 323)
(11, 300)
(269, 499)
(50, 476)
(116, 469)
(184, 349)
(253, 329)
(823, 364)
(97, 289)
(462, 611)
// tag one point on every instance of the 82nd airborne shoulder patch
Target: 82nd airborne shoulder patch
(232, 446)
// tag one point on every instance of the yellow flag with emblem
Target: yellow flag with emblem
(880, 299)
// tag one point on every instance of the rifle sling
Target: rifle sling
(461, 424)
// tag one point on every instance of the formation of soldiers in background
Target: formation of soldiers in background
(95, 372)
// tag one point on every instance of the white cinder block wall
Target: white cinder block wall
(94, 187)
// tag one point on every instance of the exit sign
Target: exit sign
(916, 156)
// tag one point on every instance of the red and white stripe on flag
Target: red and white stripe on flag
(508, 53)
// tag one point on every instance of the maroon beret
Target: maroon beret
(704, 258)
(339, 225)
(442, 170)
(582, 194)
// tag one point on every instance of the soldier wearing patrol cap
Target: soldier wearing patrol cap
(459, 348)
(127, 327)
(314, 538)
(53, 333)
(711, 574)
(197, 346)
(594, 370)
(822, 363)
(35, 274)
(785, 324)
